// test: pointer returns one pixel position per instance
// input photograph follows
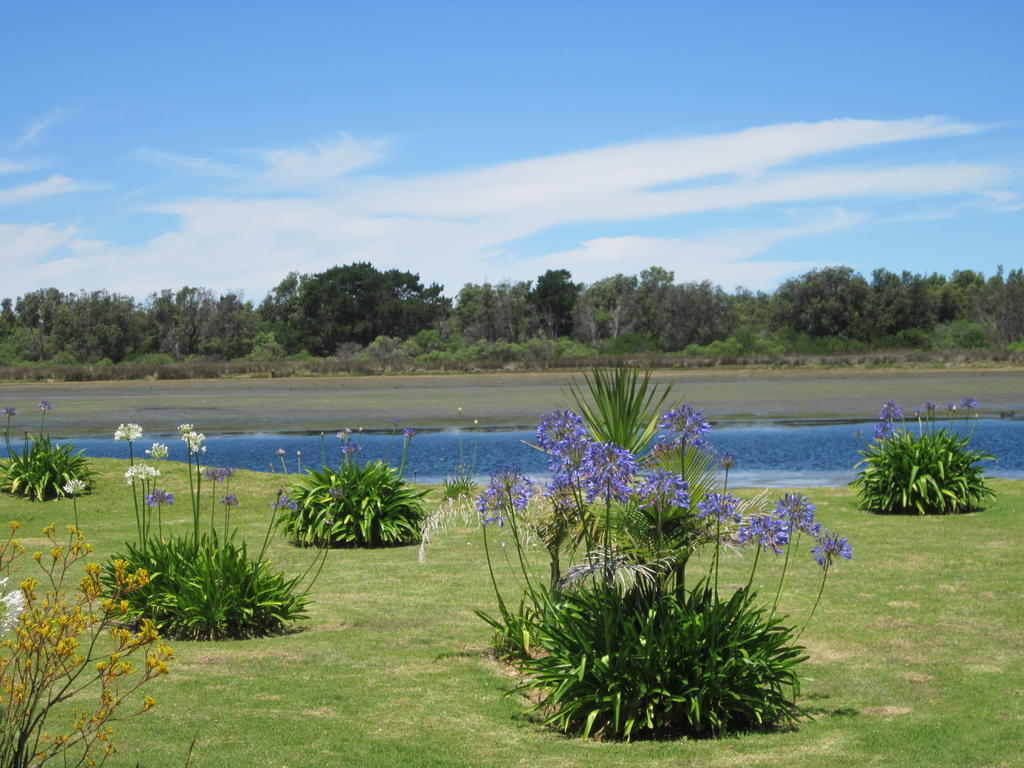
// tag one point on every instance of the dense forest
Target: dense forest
(391, 320)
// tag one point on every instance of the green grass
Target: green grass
(916, 653)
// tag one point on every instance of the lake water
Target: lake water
(778, 454)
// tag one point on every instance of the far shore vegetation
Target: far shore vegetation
(356, 319)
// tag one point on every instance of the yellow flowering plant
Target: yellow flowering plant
(68, 653)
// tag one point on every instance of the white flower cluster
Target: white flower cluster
(158, 451)
(141, 472)
(130, 432)
(75, 487)
(13, 605)
(193, 439)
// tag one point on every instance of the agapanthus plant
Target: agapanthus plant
(633, 526)
(926, 466)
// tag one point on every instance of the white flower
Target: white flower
(183, 428)
(158, 451)
(129, 432)
(193, 439)
(141, 472)
(13, 606)
(75, 487)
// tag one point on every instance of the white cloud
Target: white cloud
(465, 226)
(35, 129)
(14, 166)
(325, 161)
(724, 258)
(200, 165)
(55, 185)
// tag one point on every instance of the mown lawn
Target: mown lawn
(917, 653)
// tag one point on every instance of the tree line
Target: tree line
(359, 310)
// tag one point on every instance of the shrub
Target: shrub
(356, 506)
(458, 485)
(647, 663)
(930, 470)
(210, 592)
(42, 469)
(65, 653)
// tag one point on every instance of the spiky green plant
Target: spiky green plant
(356, 506)
(620, 406)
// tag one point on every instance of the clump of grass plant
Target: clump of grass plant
(204, 585)
(42, 470)
(626, 643)
(355, 506)
(927, 470)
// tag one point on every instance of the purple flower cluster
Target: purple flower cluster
(768, 531)
(156, 498)
(797, 513)
(720, 507)
(662, 490)
(890, 413)
(283, 502)
(607, 472)
(9, 412)
(409, 433)
(829, 547)
(508, 492)
(230, 500)
(44, 405)
(564, 437)
(218, 474)
(685, 426)
(970, 403)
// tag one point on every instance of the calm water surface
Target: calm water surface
(777, 454)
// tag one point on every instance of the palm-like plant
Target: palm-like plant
(620, 406)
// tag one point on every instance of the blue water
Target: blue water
(777, 454)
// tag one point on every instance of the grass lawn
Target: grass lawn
(917, 653)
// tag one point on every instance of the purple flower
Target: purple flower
(929, 406)
(890, 412)
(508, 492)
(829, 546)
(727, 460)
(9, 412)
(797, 513)
(351, 448)
(230, 500)
(685, 425)
(44, 405)
(970, 403)
(951, 407)
(662, 490)
(720, 507)
(408, 434)
(396, 421)
(884, 429)
(283, 502)
(563, 435)
(156, 498)
(607, 471)
(337, 493)
(769, 532)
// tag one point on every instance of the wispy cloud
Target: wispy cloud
(199, 165)
(35, 129)
(461, 226)
(14, 166)
(55, 185)
(324, 161)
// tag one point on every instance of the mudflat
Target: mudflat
(496, 399)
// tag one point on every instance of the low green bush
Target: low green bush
(645, 662)
(43, 468)
(356, 506)
(210, 592)
(928, 470)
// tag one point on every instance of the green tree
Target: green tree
(553, 299)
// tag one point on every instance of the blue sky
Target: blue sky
(153, 145)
